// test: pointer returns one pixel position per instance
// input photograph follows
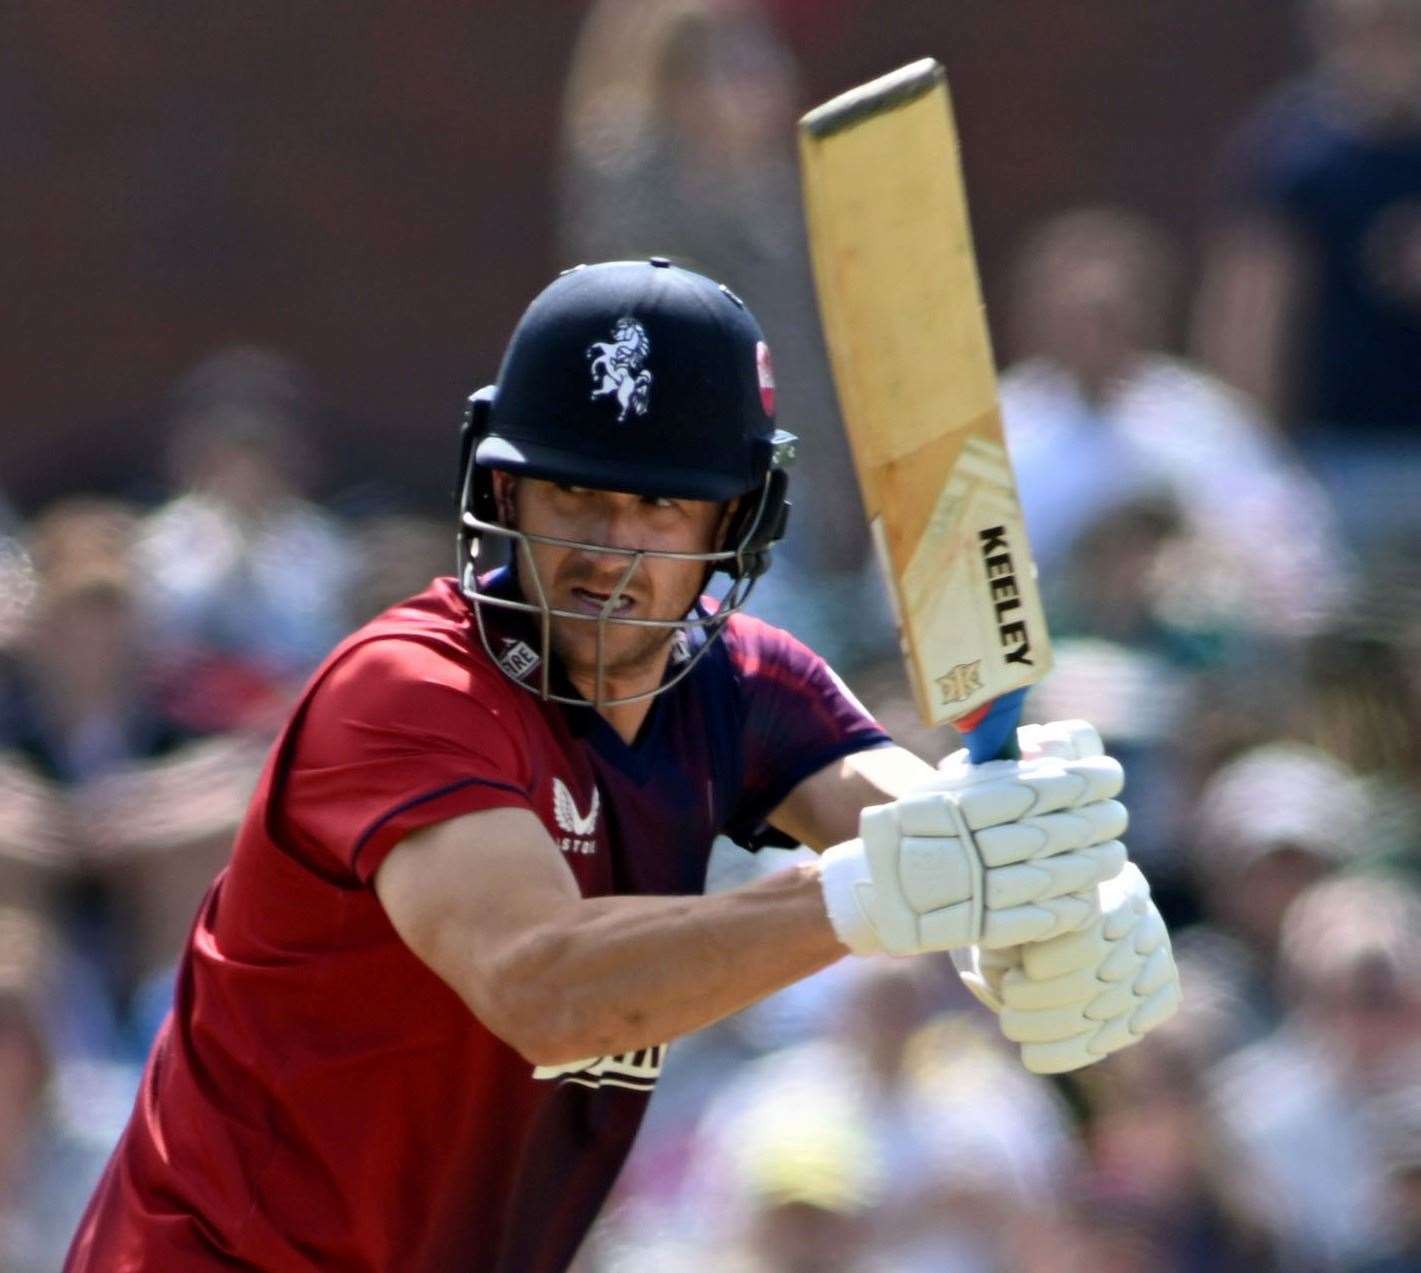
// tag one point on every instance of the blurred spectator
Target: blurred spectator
(1164, 1188)
(1099, 419)
(1311, 298)
(1166, 1191)
(42, 870)
(1131, 661)
(34, 835)
(1109, 586)
(1270, 824)
(916, 1131)
(1361, 701)
(245, 578)
(75, 697)
(396, 557)
(1397, 1118)
(17, 588)
(153, 837)
(678, 137)
(9, 523)
(125, 858)
(1090, 1234)
(1350, 966)
(47, 1166)
(99, 779)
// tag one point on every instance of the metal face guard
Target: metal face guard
(710, 622)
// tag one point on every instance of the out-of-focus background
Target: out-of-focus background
(256, 255)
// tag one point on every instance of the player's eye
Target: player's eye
(659, 501)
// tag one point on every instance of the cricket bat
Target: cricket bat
(907, 336)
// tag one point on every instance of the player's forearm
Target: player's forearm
(824, 809)
(613, 974)
(617, 973)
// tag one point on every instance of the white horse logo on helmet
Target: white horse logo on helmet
(618, 367)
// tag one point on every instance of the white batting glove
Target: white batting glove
(981, 970)
(996, 854)
(1074, 999)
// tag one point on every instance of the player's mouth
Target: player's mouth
(589, 601)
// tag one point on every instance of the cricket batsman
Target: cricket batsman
(421, 1011)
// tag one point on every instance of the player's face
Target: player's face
(583, 580)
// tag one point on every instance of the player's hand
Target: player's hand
(995, 855)
(982, 970)
(1076, 998)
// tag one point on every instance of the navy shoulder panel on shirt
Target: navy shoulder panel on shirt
(796, 717)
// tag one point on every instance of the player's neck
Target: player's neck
(625, 718)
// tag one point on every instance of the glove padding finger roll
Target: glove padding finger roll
(1064, 739)
(1076, 998)
(993, 794)
(1002, 854)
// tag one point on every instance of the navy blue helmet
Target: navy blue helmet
(634, 376)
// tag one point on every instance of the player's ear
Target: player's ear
(504, 486)
(726, 520)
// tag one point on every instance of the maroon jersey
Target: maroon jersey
(319, 1099)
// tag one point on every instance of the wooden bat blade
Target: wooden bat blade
(907, 337)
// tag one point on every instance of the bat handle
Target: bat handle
(989, 733)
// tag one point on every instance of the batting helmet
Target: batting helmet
(632, 376)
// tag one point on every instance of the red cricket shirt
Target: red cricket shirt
(320, 1099)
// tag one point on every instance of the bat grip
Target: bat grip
(990, 732)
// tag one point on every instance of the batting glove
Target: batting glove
(1074, 999)
(996, 855)
(982, 970)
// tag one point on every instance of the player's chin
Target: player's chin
(623, 647)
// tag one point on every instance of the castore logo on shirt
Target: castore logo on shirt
(581, 829)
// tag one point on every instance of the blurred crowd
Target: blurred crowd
(1219, 466)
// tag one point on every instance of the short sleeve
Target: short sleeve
(799, 716)
(397, 735)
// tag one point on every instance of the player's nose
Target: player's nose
(619, 524)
